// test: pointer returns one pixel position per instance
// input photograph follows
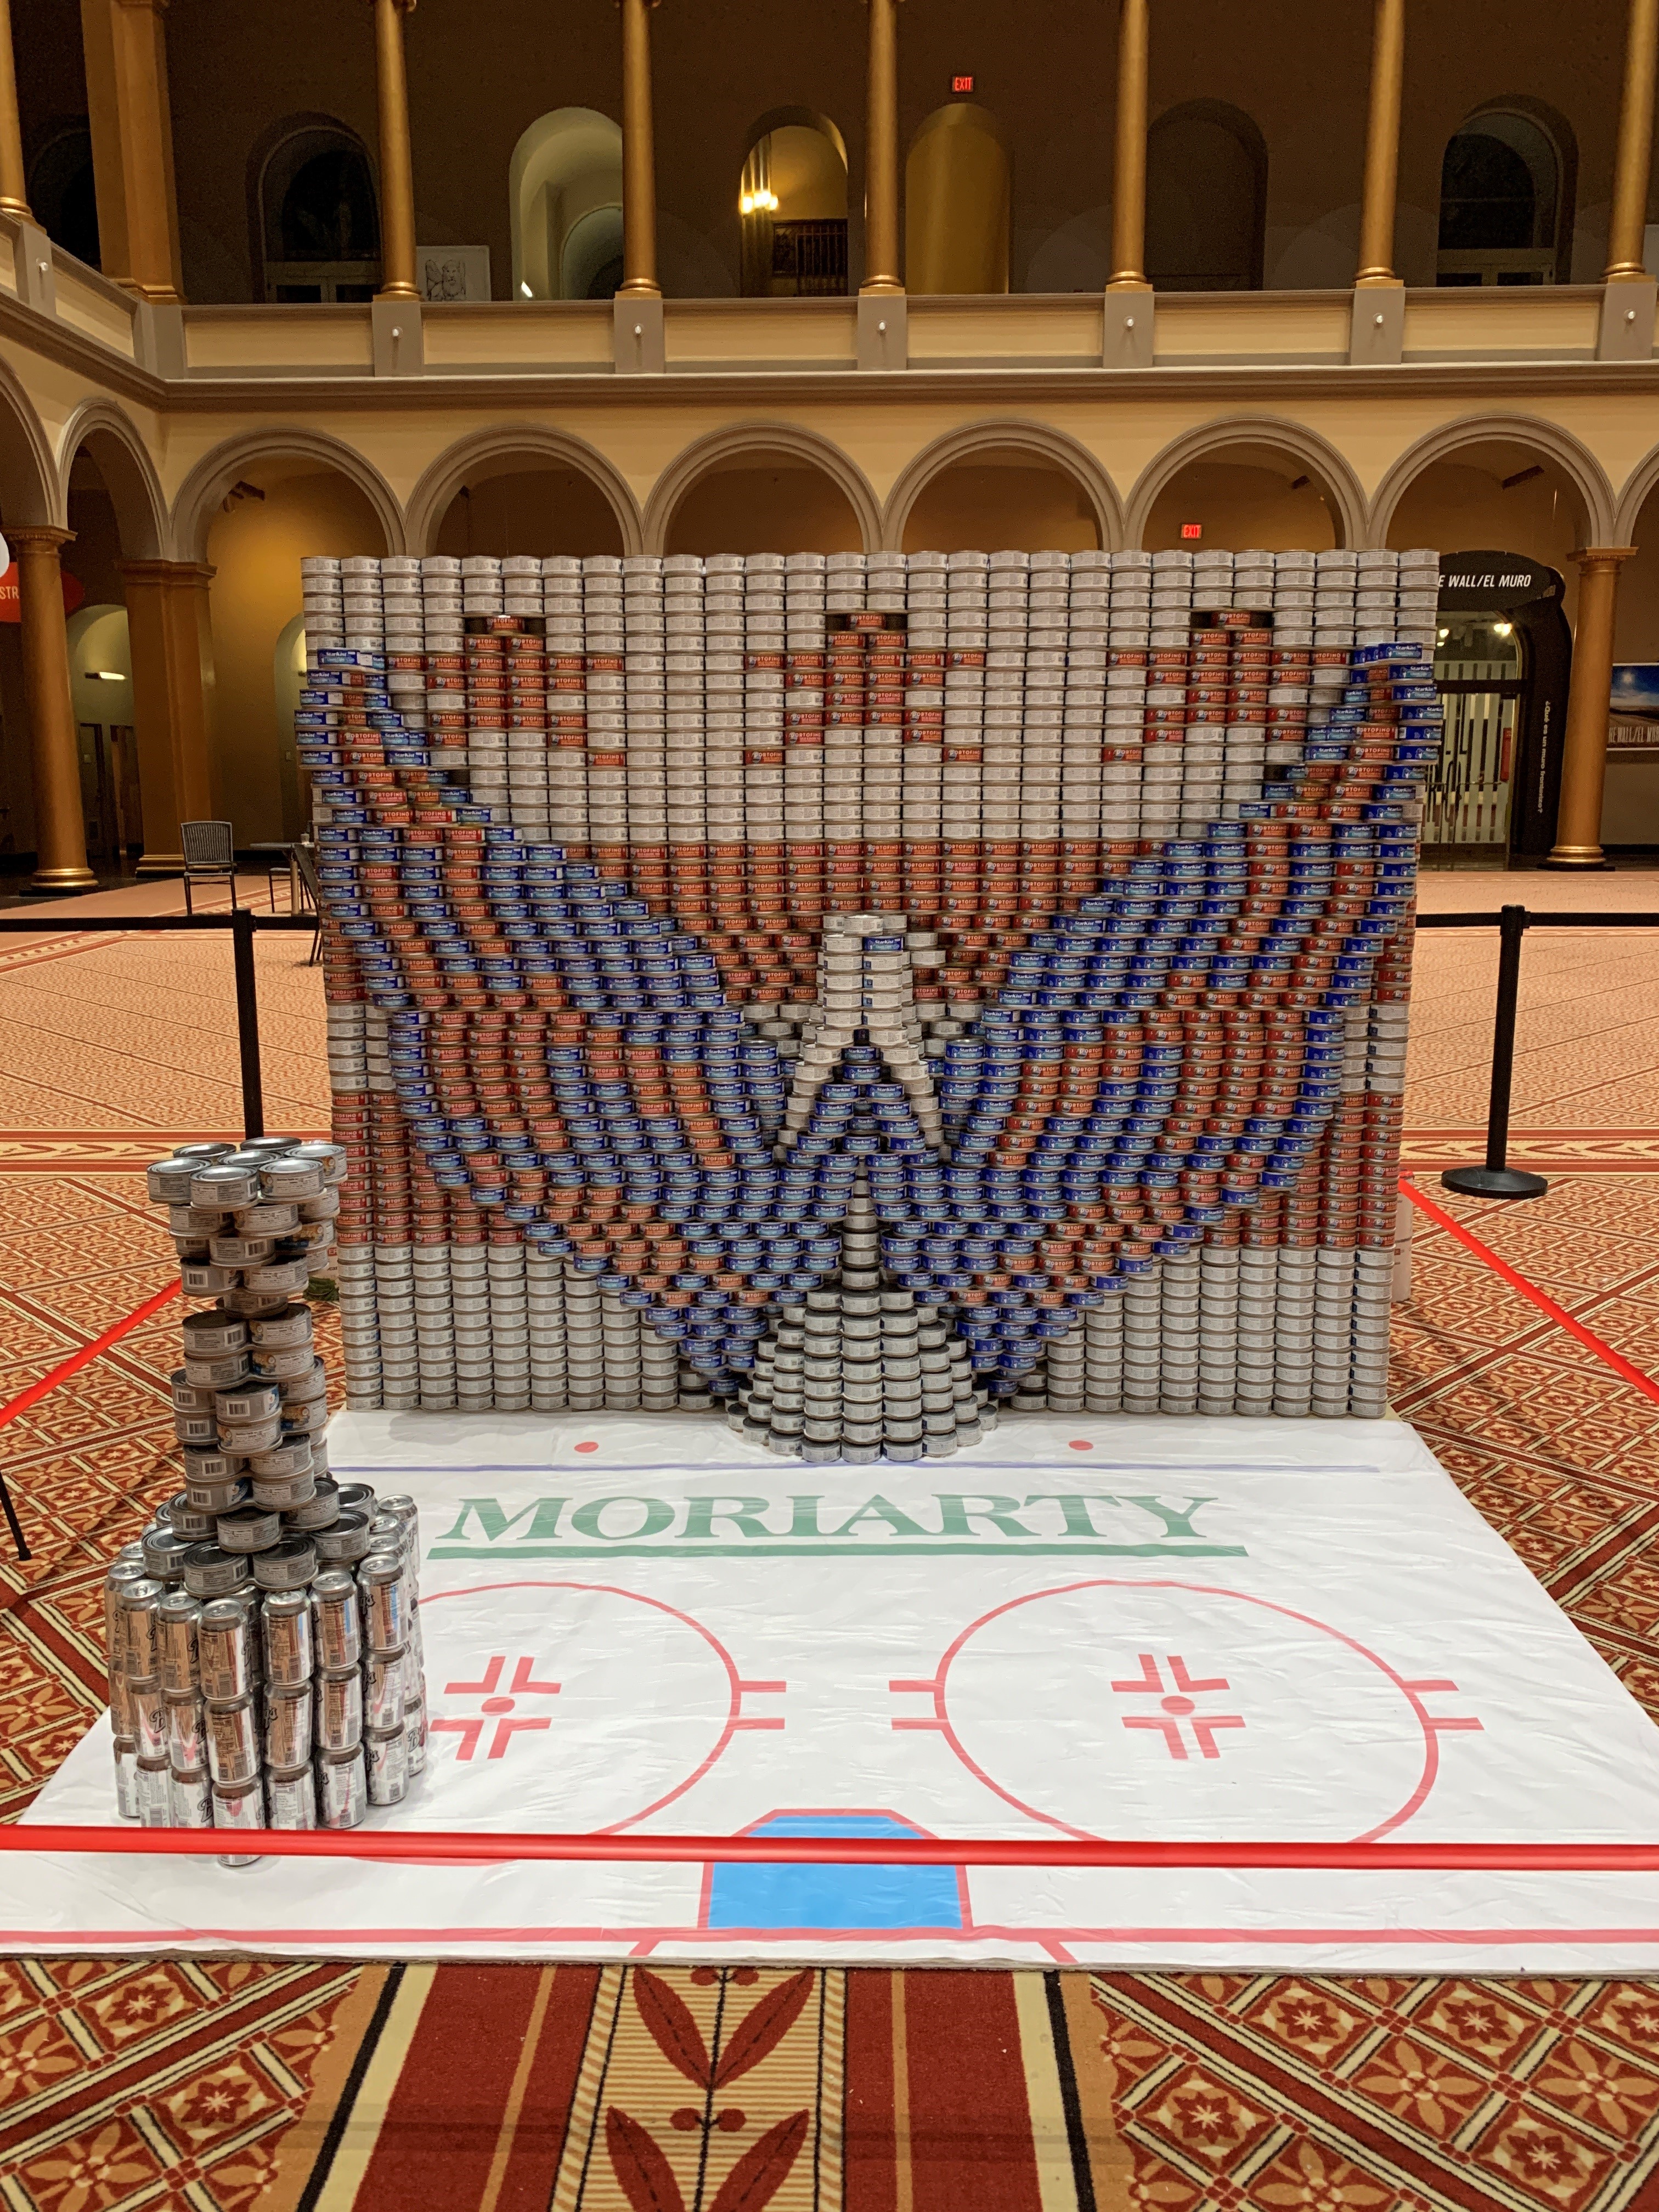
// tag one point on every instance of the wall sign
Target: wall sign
(1484, 581)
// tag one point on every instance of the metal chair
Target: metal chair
(311, 885)
(210, 856)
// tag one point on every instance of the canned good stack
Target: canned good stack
(264, 1649)
(280, 1687)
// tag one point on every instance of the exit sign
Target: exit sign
(962, 84)
(1192, 529)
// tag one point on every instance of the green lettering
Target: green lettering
(956, 1513)
(878, 1509)
(544, 1517)
(1074, 1505)
(1178, 1520)
(805, 1522)
(658, 1516)
(701, 1513)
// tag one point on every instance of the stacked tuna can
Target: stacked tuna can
(1058, 906)
(263, 1643)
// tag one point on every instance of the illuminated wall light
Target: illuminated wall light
(1504, 629)
(105, 675)
(525, 290)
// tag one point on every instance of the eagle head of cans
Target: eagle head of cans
(263, 1640)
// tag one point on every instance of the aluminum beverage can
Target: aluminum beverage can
(384, 1676)
(239, 1806)
(287, 1725)
(224, 1646)
(415, 1729)
(190, 1799)
(233, 1735)
(339, 1708)
(339, 1618)
(148, 1712)
(140, 1605)
(342, 1788)
(293, 1795)
(155, 1810)
(177, 1617)
(386, 1753)
(122, 1573)
(383, 1584)
(186, 1723)
(126, 1778)
(285, 1618)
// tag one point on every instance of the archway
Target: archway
(956, 203)
(522, 488)
(1248, 481)
(761, 487)
(1505, 194)
(62, 192)
(566, 170)
(30, 492)
(792, 204)
(317, 220)
(1521, 488)
(279, 508)
(1206, 199)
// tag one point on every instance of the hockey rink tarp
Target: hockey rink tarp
(1208, 1630)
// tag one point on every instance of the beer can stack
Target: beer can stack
(263, 1641)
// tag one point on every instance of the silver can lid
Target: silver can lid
(210, 1572)
(345, 1539)
(287, 1565)
(249, 1528)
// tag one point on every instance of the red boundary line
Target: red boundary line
(77, 1360)
(463, 1847)
(1545, 1305)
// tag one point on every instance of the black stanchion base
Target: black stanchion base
(1494, 1182)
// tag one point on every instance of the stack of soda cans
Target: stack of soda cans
(264, 1655)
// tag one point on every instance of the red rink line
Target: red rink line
(1547, 1305)
(461, 1847)
(84, 1357)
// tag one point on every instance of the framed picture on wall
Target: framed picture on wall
(1633, 722)
(453, 273)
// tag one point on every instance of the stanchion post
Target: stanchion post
(1497, 1179)
(248, 1023)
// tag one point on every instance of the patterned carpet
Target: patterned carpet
(311, 2087)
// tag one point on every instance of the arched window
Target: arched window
(791, 200)
(62, 194)
(956, 197)
(1206, 199)
(564, 183)
(319, 227)
(1504, 188)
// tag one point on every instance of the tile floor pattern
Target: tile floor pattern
(225, 2085)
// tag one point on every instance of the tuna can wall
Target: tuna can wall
(861, 992)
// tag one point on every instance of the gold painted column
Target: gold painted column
(1633, 159)
(171, 677)
(881, 152)
(1377, 207)
(1589, 705)
(397, 164)
(639, 155)
(131, 126)
(14, 186)
(1129, 152)
(60, 829)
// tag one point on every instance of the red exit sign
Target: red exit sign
(962, 84)
(1192, 529)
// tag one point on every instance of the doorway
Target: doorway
(1501, 661)
(110, 800)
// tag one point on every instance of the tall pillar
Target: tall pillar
(881, 152)
(171, 678)
(397, 167)
(1129, 152)
(13, 187)
(1633, 158)
(1376, 207)
(60, 829)
(639, 155)
(131, 124)
(1589, 703)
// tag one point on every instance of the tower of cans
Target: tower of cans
(1057, 907)
(263, 1640)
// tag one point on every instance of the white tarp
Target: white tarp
(1201, 1629)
